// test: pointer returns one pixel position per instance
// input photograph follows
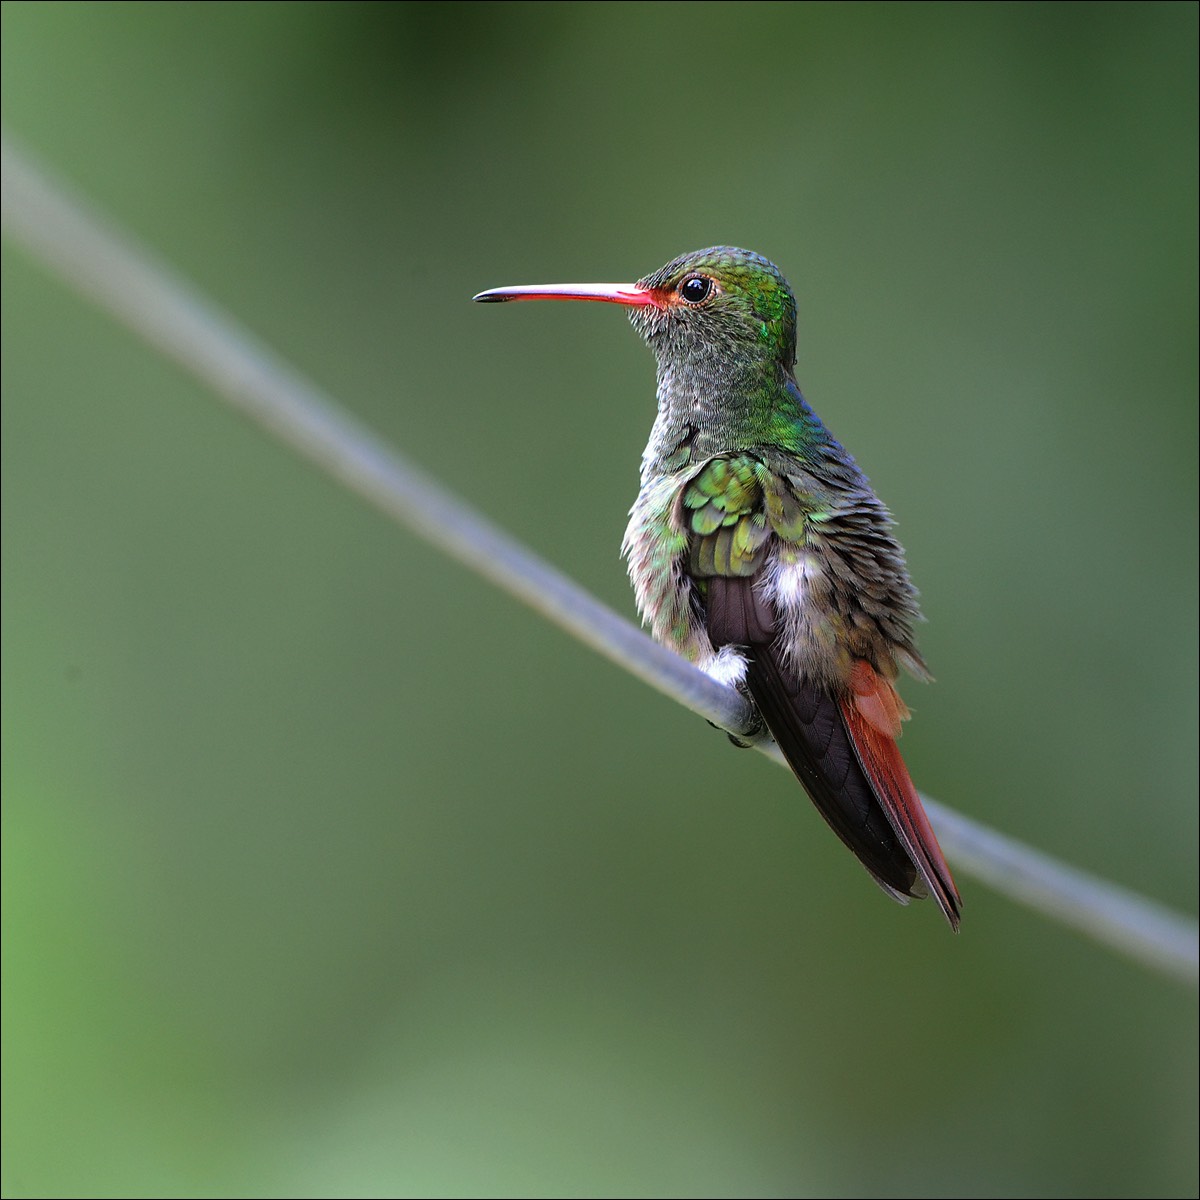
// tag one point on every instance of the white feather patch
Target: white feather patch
(789, 581)
(727, 667)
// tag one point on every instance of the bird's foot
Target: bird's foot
(748, 738)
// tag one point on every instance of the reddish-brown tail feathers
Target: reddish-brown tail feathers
(842, 750)
(873, 713)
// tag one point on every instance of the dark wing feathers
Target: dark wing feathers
(736, 614)
(854, 774)
(808, 727)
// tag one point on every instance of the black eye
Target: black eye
(695, 289)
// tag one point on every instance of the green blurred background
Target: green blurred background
(329, 870)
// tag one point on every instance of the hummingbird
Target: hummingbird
(758, 550)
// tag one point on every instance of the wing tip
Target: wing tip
(945, 895)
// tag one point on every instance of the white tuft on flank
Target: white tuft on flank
(728, 667)
(791, 579)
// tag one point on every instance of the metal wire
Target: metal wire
(124, 279)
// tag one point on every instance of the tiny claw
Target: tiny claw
(747, 740)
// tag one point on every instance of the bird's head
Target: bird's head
(721, 302)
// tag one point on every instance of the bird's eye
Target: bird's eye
(695, 289)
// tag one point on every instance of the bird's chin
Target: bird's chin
(649, 321)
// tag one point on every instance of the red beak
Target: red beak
(628, 294)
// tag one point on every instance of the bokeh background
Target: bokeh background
(329, 870)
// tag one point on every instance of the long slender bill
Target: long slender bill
(612, 293)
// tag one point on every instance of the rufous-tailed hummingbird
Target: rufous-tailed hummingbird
(758, 550)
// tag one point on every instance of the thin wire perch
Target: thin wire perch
(123, 278)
